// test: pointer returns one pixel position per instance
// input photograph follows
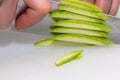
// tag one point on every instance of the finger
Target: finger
(105, 5)
(1, 2)
(114, 7)
(90, 1)
(36, 10)
(7, 12)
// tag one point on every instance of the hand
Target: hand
(35, 11)
(108, 6)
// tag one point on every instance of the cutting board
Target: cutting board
(21, 60)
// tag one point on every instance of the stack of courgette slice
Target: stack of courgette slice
(78, 22)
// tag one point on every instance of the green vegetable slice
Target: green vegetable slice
(79, 31)
(44, 42)
(50, 41)
(78, 22)
(83, 12)
(68, 57)
(81, 4)
(77, 3)
(57, 19)
(77, 38)
(64, 43)
(69, 15)
(82, 24)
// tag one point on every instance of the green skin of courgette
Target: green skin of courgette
(77, 38)
(83, 12)
(68, 57)
(82, 25)
(48, 41)
(61, 15)
(79, 31)
(52, 42)
(85, 5)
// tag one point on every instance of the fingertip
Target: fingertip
(3, 27)
(114, 7)
(105, 5)
(21, 22)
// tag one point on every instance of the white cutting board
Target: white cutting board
(20, 60)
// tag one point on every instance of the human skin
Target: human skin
(108, 6)
(35, 11)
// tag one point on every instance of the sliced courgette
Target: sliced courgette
(81, 4)
(83, 12)
(79, 31)
(59, 15)
(68, 57)
(44, 42)
(78, 3)
(82, 24)
(77, 38)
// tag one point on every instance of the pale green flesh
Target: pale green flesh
(79, 31)
(70, 15)
(78, 57)
(68, 57)
(93, 7)
(83, 39)
(78, 11)
(44, 42)
(82, 11)
(74, 39)
(73, 3)
(82, 24)
(64, 43)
